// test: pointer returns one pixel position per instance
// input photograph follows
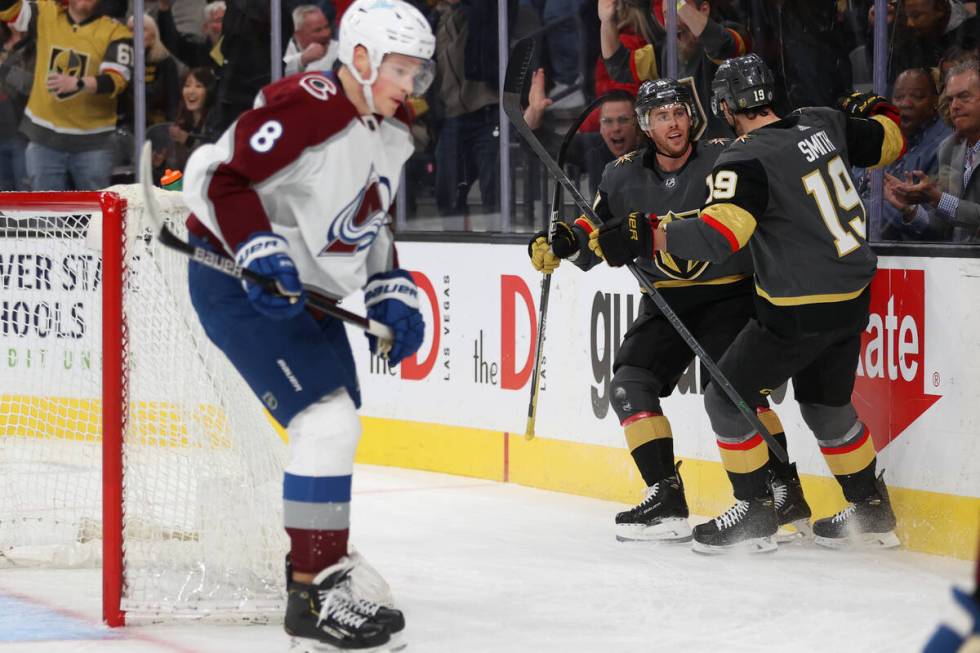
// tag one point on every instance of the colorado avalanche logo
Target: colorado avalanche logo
(358, 223)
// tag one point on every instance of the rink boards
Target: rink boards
(460, 404)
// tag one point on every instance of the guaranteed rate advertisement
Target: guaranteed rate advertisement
(917, 377)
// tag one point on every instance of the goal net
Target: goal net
(122, 428)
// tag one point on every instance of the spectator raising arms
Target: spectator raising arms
(196, 98)
(619, 133)
(83, 63)
(703, 43)
(194, 49)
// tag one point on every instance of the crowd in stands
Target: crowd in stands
(66, 117)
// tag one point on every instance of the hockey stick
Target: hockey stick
(517, 69)
(532, 406)
(227, 266)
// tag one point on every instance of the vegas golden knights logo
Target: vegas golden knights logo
(67, 62)
(676, 267)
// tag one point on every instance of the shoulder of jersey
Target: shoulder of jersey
(312, 100)
(630, 158)
(716, 143)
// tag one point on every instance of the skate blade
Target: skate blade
(801, 531)
(667, 530)
(860, 541)
(754, 545)
(302, 645)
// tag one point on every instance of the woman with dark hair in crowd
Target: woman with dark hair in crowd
(196, 99)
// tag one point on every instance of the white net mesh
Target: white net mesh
(202, 463)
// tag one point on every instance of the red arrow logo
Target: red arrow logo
(888, 391)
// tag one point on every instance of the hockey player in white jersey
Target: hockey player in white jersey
(299, 189)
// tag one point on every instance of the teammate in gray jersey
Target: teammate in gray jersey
(714, 300)
(784, 190)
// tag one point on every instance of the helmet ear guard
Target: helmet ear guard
(743, 83)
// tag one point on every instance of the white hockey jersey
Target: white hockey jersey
(304, 164)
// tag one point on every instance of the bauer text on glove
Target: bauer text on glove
(391, 298)
(267, 254)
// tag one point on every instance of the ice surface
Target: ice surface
(479, 566)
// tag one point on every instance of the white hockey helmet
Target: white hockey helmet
(384, 27)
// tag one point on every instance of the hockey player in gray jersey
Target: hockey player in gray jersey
(784, 190)
(715, 301)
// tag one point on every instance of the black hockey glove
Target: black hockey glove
(865, 105)
(622, 240)
(545, 256)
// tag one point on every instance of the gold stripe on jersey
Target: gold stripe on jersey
(683, 283)
(828, 298)
(645, 63)
(893, 144)
(739, 222)
(647, 428)
(10, 14)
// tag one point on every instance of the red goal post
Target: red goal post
(182, 506)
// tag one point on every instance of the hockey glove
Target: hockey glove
(267, 254)
(392, 299)
(545, 256)
(865, 105)
(620, 241)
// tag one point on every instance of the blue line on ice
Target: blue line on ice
(23, 621)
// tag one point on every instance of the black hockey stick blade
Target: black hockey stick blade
(512, 107)
(225, 265)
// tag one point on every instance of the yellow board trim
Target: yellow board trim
(928, 522)
(808, 299)
(645, 430)
(893, 142)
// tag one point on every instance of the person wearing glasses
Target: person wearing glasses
(590, 152)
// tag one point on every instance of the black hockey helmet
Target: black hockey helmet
(743, 83)
(656, 93)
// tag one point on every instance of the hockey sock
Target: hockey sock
(316, 513)
(770, 420)
(746, 461)
(852, 461)
(651, 444)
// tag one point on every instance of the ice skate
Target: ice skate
(792, 510)
(661, 516)
(747, 527)
(323, 616)
(870, 523)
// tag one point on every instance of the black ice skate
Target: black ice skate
(322, 616)
(792, 510)
(748, 526)
(661, 516)
(870, 522)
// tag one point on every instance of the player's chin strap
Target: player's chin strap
(687, 150)
(366, 85)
